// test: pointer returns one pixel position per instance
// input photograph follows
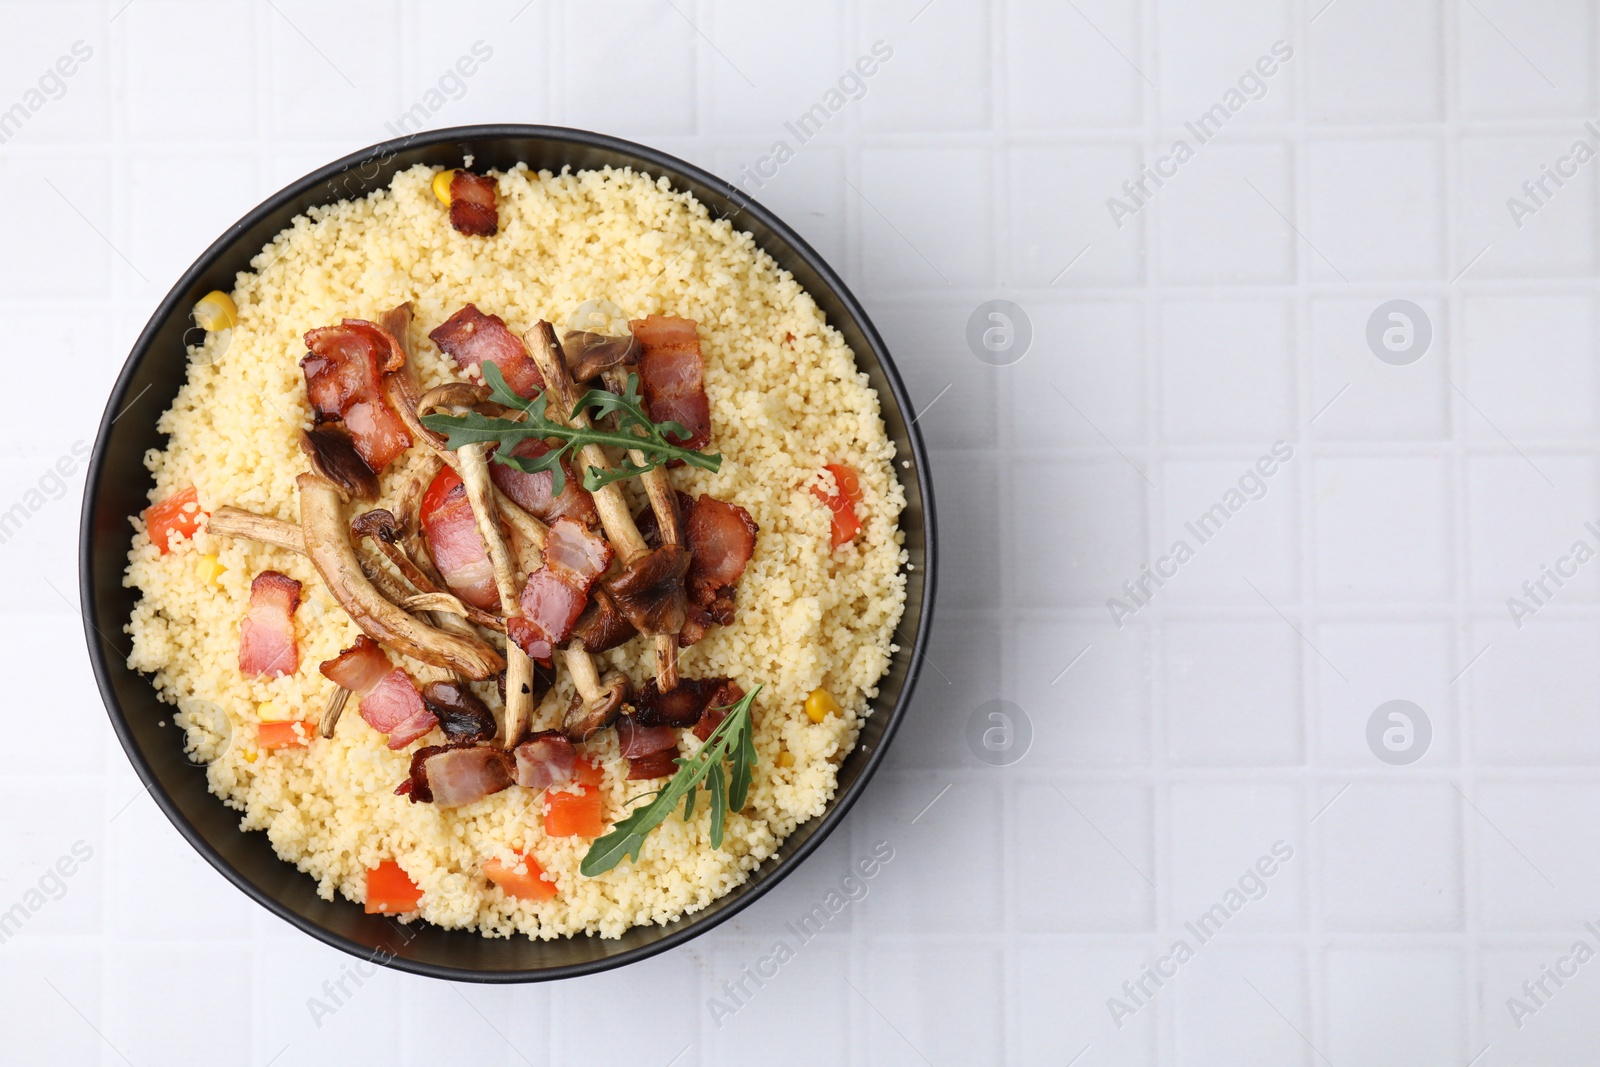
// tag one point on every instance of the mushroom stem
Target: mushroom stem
(236, 522)
(327, 540)
(609, 500)
(519, 668)
(464, 394)
(384, 530)
(331, 711)
(664, 502)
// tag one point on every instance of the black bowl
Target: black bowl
(117, 483)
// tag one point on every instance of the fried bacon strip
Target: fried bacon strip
(344, 381)
(267, 646)
(533, 492)
(457, 549)
(449, 776)
(472, 204)
(547, 758)
(672, 373)
(389, 699)
(470, 337)
(722, 538)
(555, 594)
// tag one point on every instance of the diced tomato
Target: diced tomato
(523, 885)
(289, 733)
(588, 772)
(578, 814)
(390, 891)
(173, 515)
(845, 523)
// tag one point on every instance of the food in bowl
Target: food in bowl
(509, 625)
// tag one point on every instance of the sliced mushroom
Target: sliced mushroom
(616, 517)
(464, 394)
(462, 716)
(327, 541)
(332, 452)
(599, 707)
(589, 354)
(664, 504)
(332, 710)
(608, 499)
(384, 530)
(236, 522)
(519, 668)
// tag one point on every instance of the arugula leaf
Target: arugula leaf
(634, 431)
(731, 740)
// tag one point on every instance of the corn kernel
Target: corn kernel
(785, 759)
(441, 186)
(820, 704)
(250, 756)
(215, 311)
(272, 711)
(210, 571)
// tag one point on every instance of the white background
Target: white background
(1167, 356)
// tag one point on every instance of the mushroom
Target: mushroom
(333, 455)
(465, 394)
(588, 354)
(385, 531)
(609, 499)
(332, 710)
(664, 502)
(473, 464)
(597, 702)
(327, 541)
(236, 522)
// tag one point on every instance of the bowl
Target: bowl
(116, 488)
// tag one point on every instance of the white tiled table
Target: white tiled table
(1228, 714)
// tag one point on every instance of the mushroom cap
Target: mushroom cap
(585, 718)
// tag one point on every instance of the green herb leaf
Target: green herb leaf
(731, 740)
(719, 805)
(634, 431)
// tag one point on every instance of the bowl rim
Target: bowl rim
(641, 157)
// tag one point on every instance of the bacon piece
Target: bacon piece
(472, 205)
(390, 702)
(574, 557)
(532, 491)
(661, 764)
(721, 539)
(462, 716)
(452, 775)
(394, 707)
(634, 739)
(684, 705)
(470, 337)
(717, 709)
(649, 591)
(344, 380)
(546, 759)
(672, 371)
(267, 647)
(454, 542)
(359, 667)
